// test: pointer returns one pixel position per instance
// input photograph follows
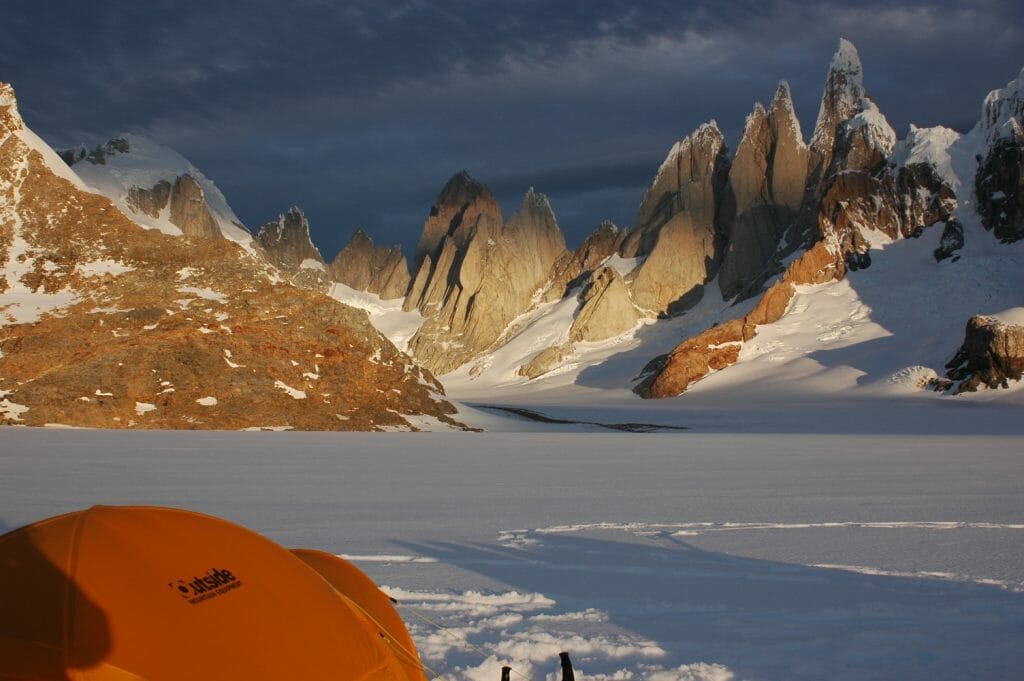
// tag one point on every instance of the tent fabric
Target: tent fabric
(355, 585)
(118, 593)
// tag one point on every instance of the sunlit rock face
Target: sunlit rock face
(766, 188)
(677, 231)
(481, 276)
(377, 269)
(991, 356)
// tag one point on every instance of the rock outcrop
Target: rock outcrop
(601, 244)
(106, 324)
(606, 309)
(999, 183)
(189, 211)
(482, 276)
(992, 353)
(719, 347)
(677, 232)
(286, 241)
(378, 269)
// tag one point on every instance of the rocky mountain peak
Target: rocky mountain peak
(841, 99)
(677, 230)
(767, 181)
(458, 204)
(364, 267)
(286, 241)
(111, 325)
(1002, 111)
(534, 201)
(691, 163)
(157, 188)
(999, 182)
(10, 119)
(783, 115)
(461, 188)
(113, 147)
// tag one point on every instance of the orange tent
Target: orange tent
(117, 593)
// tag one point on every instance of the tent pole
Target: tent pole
(567, 673)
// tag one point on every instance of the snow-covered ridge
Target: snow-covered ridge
(1013, 316)
(880, 132)
(928, 146)
(1002, 111)
(142, 166)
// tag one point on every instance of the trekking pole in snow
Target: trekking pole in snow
(506, 673)
(567, 674)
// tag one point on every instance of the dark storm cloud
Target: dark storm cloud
(359, 112)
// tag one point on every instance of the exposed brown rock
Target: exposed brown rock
(924, 198)
(595, 249)
(150, 201)
(840, 101)
(463, 208)
(695, 358)
(999, 186)
(457, 197)
(854, 203)
(179, 322)
(606, 309)
(766, 188)
(490, 279)
(189, 211)
(365, 267)
(992, 355)
(286, 241)
(670, 375)
(677, 227)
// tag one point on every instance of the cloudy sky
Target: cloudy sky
(359, 111)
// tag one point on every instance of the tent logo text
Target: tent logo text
(215, 582)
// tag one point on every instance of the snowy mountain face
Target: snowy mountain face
(725, 249)
(157, 188)
(108, 323)
(725, 246)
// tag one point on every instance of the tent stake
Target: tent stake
(567, 674)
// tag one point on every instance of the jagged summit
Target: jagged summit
(460, 200)
(841, 99)
(782, 110)
(1002, 111)
(10, 119)
(460, 188)
(286, 241)
(536, 200)
(846, 60)
(377, 269)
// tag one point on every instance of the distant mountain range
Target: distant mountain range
(133, 296)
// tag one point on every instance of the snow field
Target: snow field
(683, 556)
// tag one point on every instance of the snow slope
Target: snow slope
(146, 164)
(386, 315)
(683, 556)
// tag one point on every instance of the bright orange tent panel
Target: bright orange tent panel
(353, 583)
(117, 593)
